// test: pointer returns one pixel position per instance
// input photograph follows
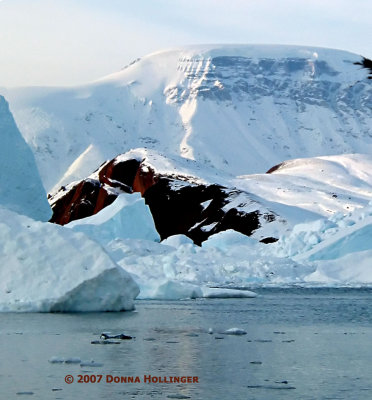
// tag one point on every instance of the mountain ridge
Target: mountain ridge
(234, 108)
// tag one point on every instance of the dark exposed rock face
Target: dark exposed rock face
(180, 210)
(275, 168)
(90, 195)
(119, 174)
(366, 63)
(178, 205)
(82, 200)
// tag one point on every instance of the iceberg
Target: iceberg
(49, 268)
(127, 217)
(21, 189)
(173, 290)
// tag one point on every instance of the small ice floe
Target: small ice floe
(256, 362)
(73, 360)
(223, 293)
(235, 331)
(120, 336)
(178, 396)
(56, 360)
(90, 363)
(210, 331)
(219, 337)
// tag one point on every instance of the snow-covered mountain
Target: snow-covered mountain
(238, 109)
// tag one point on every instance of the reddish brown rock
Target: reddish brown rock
(275, 168)
(144, 179)
(91, 195)
(178, 206)
(79, 201)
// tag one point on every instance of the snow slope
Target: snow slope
(306, 189)
(21, 189)
(240, 109)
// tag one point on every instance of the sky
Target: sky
(70, 42)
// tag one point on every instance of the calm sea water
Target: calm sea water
(300, 344)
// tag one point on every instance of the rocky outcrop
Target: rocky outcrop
(82, 200)
(275, 168)
(197, 211)
(366, 63)
(179, 204)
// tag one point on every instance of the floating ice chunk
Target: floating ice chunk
(56, 360)
(222, 293)
(48, 268)
(73, 360)
(210, 331)
(174, 290)
(127, 217)
(235, 331)
(24, 393)
(122, 336)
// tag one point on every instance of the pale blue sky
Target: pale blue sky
(65, 42)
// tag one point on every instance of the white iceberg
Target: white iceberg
(21, 189)
(127, 217)
(48, 268)
(235, 331)
(225, 293)
(173, 290)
